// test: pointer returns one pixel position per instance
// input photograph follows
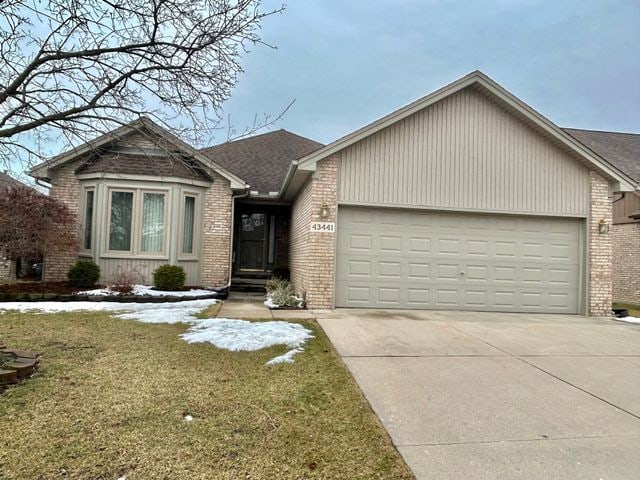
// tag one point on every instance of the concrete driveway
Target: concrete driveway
(499, 396)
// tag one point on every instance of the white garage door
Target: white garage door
(390, 258)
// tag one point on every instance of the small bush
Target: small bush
(276, 283)
(83, 274)
(169, 277)
(283, 294)
(124, 280)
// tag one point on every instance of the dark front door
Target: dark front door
(252, 240)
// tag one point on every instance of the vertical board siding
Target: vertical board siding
(464, 152)
(109, 267)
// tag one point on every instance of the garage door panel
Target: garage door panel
(492, 263)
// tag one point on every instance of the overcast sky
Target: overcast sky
(346, 63)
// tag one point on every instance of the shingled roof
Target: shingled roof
(622, 150)
(262, 160)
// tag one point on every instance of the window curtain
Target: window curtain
(152, 222)
(120, 229)
(88, 220)
(189, 217)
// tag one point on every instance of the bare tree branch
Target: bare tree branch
(73, 69)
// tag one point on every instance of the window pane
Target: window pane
(88, 220)
(189, 216)
(152, 222)
(120, 230)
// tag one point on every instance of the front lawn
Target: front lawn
(110, 399)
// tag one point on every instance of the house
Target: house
(623, 151)
(465, 199)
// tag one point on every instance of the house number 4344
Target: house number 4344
(327, 227)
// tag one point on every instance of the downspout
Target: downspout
(38, 182)
(233, 214)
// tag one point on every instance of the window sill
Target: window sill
(189, 259)
(132, 256)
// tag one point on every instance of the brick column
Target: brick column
(216, 227)
(313, 253)
(600, 248)
(65, 188)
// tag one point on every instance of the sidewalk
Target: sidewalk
(251, 307)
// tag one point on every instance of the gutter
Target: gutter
(293, 167)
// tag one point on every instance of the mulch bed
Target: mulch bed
(39, 287)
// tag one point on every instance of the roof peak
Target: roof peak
(259, 135)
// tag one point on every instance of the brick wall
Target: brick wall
(216, 233)
(311, 255)
(600, 248)
(626, 262)
(66, 189)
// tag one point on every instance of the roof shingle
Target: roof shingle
(262, 160)
(622, 150)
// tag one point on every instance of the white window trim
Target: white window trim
(135, 250)
(195, 254)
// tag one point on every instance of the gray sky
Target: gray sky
(349, 62)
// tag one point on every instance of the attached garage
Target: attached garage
(395, 258)
(466, 199)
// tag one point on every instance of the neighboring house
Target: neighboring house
(465, 199)
(623, 151)
(7, 267)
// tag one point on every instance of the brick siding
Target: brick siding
(312, 254)
(626, 262)
(66, 189)
(216, 232)
(600, 248)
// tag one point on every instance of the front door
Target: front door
(252, 236)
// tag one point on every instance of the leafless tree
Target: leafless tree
(73, 69)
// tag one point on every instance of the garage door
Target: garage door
(390, 258)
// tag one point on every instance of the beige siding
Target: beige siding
(464, 152)
(109, 267)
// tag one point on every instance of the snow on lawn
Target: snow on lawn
(628, 319)
(226, 333)
(147, 291)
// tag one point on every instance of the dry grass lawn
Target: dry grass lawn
(110, 398)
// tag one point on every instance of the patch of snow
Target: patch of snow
(188, 418)
(242, 335)
(271, 304)
(285, 357)
(227, 333)
(628, 319)
(148, 291)
(164, 312)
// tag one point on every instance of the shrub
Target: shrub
(124, 280)
(169, 277)
(83, 274)
(285, 296)
(276, 283)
